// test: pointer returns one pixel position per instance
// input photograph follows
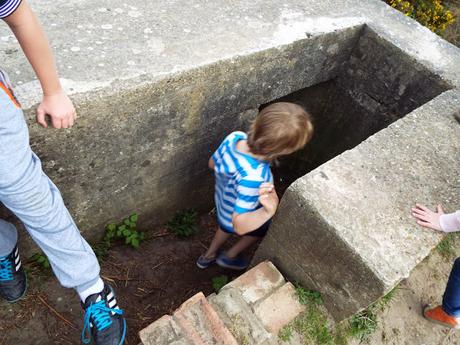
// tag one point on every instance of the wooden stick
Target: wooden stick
(57, 313)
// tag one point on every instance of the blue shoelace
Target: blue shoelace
(6, 271)
(101, 318)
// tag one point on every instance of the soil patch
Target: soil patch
(150, 282)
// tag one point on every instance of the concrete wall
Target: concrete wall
(145, 147)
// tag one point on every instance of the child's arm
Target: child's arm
(436, 220)
(244, 223)
(211, 164)
(31, 37)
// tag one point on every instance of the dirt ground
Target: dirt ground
(156, 278)
(401, 323)
(150, 282)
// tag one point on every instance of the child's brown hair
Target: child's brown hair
(280, 128)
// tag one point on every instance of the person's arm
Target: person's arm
(32, 39)
(436, 220)
(211, 164)
(450, 222)
(244, 223)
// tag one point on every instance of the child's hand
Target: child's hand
(427, 218)
(268, 198)
(60, 108)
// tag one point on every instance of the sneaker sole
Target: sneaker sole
(236, 268)
(201, 266)
(438, 322)
(122, 341)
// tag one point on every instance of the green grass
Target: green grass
(307, 297)
(446, 248)
(219, 282)
(312, 324)
(364, 323)
(285, 333)
(315, 329)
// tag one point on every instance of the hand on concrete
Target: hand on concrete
(60, 109)
(268, 198)
(427, 218)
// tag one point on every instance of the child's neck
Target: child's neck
(243, 147)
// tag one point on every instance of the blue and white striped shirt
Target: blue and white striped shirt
(7, 7)
(238, 178)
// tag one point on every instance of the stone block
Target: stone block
(279, 308)
(258, 282)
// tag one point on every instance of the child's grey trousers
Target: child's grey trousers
(36, 201)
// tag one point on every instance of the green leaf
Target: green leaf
(219, 282)
(126, 232)
(122, 227)
(128, 240)
(133, 217)
(111, 227)
(135, 243)
(127, 222)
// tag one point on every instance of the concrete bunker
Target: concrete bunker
(153, 159)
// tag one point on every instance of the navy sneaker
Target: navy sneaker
(239, 263)
(203, 262)
(103, 319)
(13, 280)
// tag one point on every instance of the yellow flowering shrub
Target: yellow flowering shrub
(430, 13)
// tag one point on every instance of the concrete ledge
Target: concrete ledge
(345, 229)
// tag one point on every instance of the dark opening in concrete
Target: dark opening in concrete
(378, 86)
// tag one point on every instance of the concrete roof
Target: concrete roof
(111, 44)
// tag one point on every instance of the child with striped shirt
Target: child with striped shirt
(245, 196)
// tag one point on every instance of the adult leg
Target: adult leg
(8, 237)
(35, 200)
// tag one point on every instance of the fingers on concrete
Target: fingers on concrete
(249, 310)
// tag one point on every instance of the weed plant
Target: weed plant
(184, 223)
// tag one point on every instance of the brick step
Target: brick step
(201, 323)
(240, 319)
(248, 311)
(194, 323)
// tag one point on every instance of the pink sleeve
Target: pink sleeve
(450, 222)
